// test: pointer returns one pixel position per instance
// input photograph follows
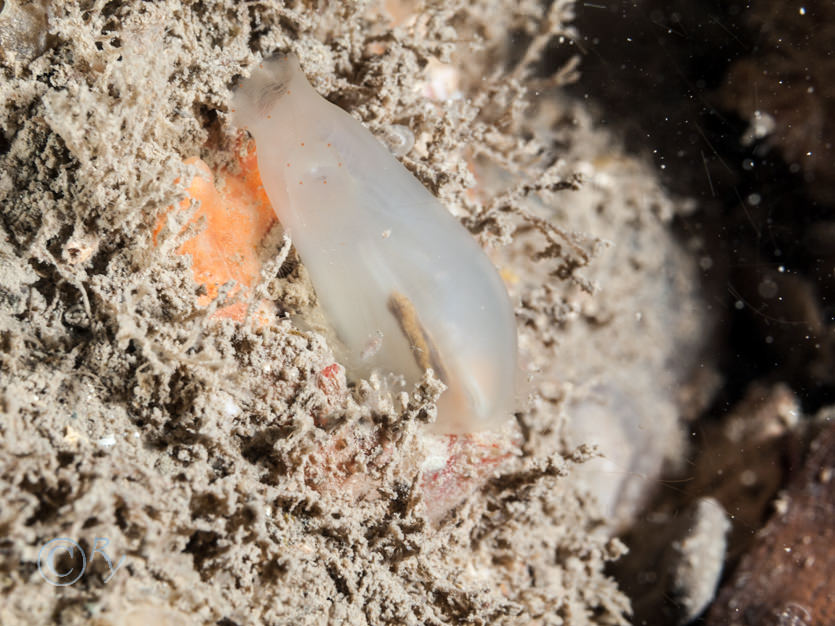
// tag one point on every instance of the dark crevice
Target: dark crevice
(655, 71)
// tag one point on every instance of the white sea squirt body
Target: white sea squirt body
(402, 282)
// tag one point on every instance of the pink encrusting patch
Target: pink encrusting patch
(471, 461)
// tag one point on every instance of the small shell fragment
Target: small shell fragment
(399, 139)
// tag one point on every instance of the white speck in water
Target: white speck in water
(767, 289)
(754, 199)
(107, 441)
(761, 125)
(748, 478)
(802, 10)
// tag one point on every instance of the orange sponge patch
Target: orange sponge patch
(238, 215)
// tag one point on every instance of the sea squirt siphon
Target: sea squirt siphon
(403, 283)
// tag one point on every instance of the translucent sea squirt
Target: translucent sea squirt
(403, 283)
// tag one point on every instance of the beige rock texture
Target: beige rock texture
(194, 446)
